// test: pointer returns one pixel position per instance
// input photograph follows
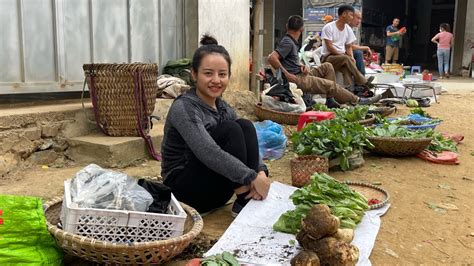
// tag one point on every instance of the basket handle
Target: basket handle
(141, 104)
(93, 95)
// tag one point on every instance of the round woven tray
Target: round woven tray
(155, 252)
(369, 120)
(370, 191)
(398, 146)
(279, 117)
(303, 167)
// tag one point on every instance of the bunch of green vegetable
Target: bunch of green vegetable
(408, 121)
(396, 131)
(350, 114)
(335, 138)
(344, 203)
(223, 259)
(420, 111)
(440, 143)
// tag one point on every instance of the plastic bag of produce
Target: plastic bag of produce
(24, 238)
(95, 187)
(271, 139)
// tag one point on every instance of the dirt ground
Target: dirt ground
(414, 230)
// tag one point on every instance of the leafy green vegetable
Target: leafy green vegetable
(223, 259)
(344, 203)
(335, 138)
(350, 114)
(396, 131)
(420, 111)
(440, 143)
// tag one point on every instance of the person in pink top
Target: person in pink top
(444, 39)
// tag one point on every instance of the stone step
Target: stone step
(109, 151)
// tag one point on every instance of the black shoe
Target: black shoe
(332, 103)
(369, 101)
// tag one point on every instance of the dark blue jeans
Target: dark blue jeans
(359, 58)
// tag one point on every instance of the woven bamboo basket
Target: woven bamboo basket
(123, 96)
(369, 120)
(263, 113)
(398, 146)
(303, 167)
(156, 252)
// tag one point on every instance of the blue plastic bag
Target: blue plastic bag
(271, 139)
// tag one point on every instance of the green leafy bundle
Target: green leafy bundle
(419, 111)
(223, 259)
(344, 203)
(335, 138)
(440, 143)
(396, 131)
(351, 114)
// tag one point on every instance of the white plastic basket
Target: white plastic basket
(120, 226)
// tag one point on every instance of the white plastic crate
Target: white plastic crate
(121, 226)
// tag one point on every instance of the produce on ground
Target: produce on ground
(350, 114)
(348, 205)
(335, 138)
(319, 222)
(438, 144)
(223, 259)
(412, 103)
(305, 258)
(420, 111)
(316, 235)
(344, 235)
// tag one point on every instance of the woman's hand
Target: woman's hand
(259, 186)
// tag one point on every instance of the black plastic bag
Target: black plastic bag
(161, 195)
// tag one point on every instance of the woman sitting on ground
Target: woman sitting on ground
(209, 154)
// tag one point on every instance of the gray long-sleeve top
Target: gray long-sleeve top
(186, 131)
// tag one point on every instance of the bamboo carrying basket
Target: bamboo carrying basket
(279, 117)
(123, 96)
(155, 252)
(303, 167)
(398, 146)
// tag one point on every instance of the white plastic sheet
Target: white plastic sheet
(251, 237)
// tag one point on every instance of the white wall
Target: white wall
(229, 22)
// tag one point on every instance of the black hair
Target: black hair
(209, 45)
(445, 27)
(345, 8)
(295, 22)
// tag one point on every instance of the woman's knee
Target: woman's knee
(246, 125)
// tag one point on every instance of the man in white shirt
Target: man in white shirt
(338, 38)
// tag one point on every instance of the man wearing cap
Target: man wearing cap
(328, 18)
(338, 39)
(320, 80)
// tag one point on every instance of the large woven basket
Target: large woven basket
(263, 113)
(123, 96)
(398, 146)
(303, 167)
(155, 252)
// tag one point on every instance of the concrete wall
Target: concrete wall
(229, 22)
(468, 35)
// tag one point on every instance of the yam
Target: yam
(305, 258)
(319, 222)
(345, 235)
(334, 252)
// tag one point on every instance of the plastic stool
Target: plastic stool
(311, 116)
(413, 68)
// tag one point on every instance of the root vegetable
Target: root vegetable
(320, 222)
(345, 235)
(334, 252)
(305, 258)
